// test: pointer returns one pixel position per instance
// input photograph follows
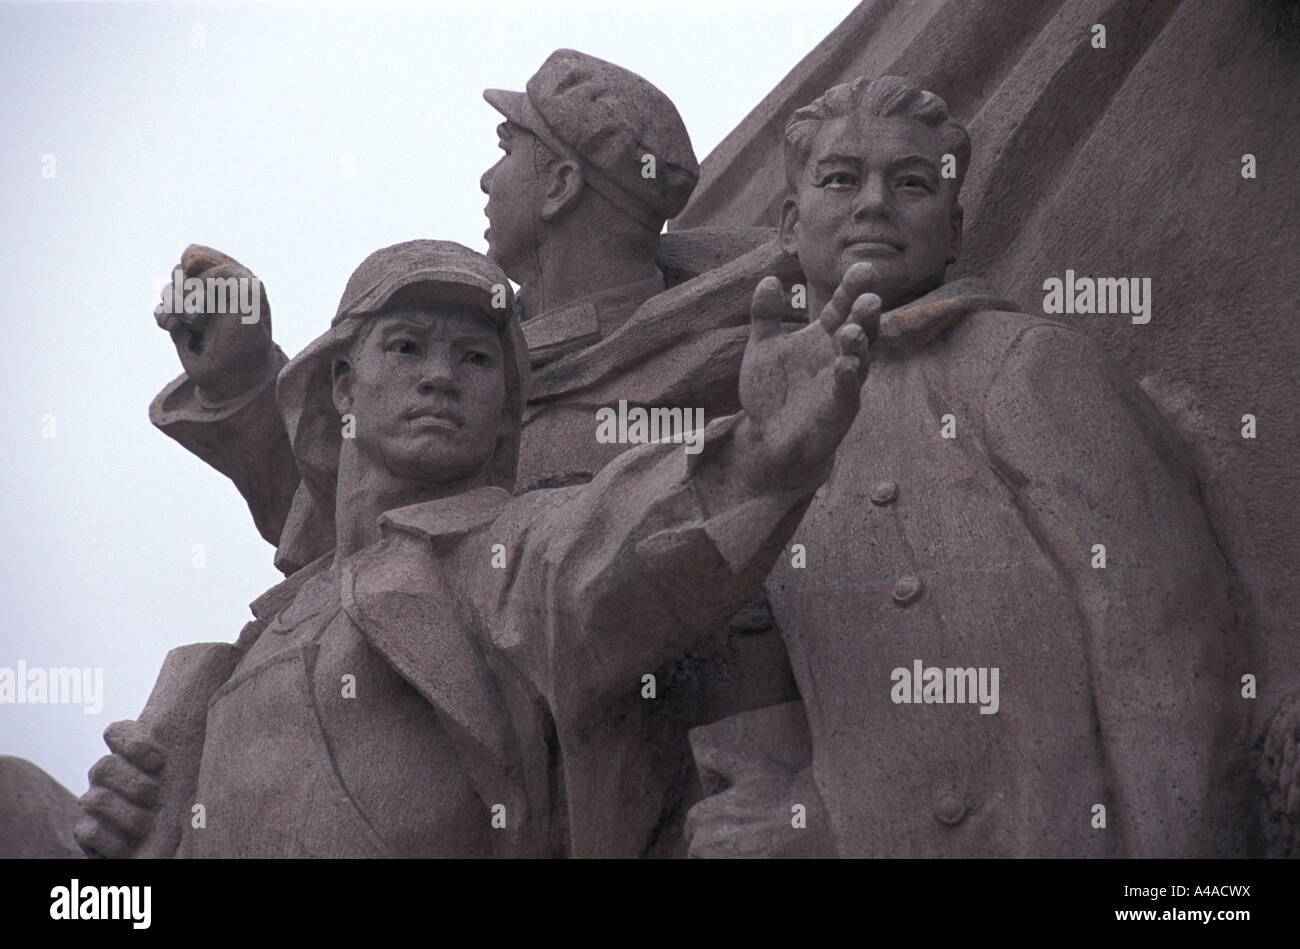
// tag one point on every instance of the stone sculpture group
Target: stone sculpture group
(937, 580)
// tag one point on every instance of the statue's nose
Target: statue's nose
(873, 198)
(437, 374)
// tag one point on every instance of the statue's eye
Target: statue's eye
(839, 180)
(915, 182)
(477, 358)
(403, 346)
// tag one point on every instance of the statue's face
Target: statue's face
(427, 389)
(872, 191)
(514, 186)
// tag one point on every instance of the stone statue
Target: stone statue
(1012, 630)
(595, 159)
(430, 687)
(1007, 610)
(1114, 155)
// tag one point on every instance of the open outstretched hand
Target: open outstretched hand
(800, 390)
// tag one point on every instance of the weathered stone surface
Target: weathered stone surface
(222, 407)
(1121, 161)
(956, 542)
(176, 716)
(36, 813)
(1279, 777)
(684, 255)
(411, 695)
(959, 529)
(600, 329)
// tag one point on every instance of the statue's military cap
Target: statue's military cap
(417, 273)
(426, 271)
(610, 119)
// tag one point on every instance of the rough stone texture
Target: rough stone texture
(1117, 684)
(401, 695)
(757, 752)
(1123, 161)
(1121, 684)
(957, 532)
(176, 715)
(36, 813)
(1279, 763)
(684, 255)
(600, 316)
(610, 119)
(237, 432)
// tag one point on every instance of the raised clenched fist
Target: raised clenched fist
(223, 338)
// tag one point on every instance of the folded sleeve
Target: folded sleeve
(243, 438)
(630, 570)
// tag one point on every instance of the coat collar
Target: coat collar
(919, 323)
(398, 594)
(447, 517)
(564, 329)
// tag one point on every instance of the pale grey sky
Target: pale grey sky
(234, 126)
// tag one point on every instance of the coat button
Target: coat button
(949, 809)
(884, 492)
(906, 590)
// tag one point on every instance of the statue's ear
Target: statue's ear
(789, 232)
(564, 183)
(341, 378)
(955, 218)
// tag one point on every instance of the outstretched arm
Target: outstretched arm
(223, 408)
(662, 547)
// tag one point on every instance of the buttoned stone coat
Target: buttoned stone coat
(1120, 686)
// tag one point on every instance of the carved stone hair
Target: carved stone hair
(885, 97)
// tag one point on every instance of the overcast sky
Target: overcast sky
(236, 126)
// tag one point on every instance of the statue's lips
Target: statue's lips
(436, 418)
(873, 247)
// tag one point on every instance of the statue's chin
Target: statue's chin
(433, 468)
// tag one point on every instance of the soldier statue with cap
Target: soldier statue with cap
(596, 158)
(408, 695)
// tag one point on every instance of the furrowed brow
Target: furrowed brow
(403, 326)
(910, 160)
(839, 160)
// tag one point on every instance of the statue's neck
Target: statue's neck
(568, 271)
(367, 491)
